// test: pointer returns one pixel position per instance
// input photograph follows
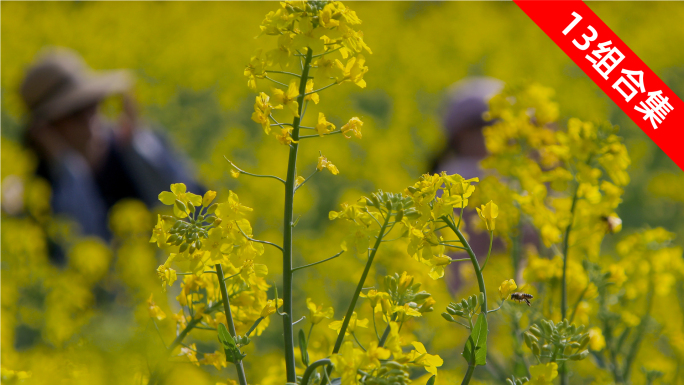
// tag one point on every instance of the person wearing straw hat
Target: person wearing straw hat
(92, 163)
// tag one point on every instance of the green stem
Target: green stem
(491, 240)
(229, 320)
(312, 368)
(641, 330)
(468, 375)
(352, 304)
(154, 377)
(564, 288)
(316, 263)
(579, 300)
(386, 333)
(473, 260)
(288, 331)
(480, 283)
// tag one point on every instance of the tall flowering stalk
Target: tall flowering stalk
(306, 31)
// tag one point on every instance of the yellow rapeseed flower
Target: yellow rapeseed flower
(270, 307)
(167, 275)
(543, 374)
(507, 288)
(353, 71)
(284, 137)
(323, 127)
(488, 213)
(353, 126)
(316, 313)
(596, 340)
(154, 310)
(323, 162)
(288, 98)
(353, 324)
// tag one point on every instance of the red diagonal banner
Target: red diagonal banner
(615, 68)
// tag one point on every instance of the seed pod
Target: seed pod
(528, 341)
(579, 356)
(535, 349)
(181, 206)
(394, 365)
(399, 216)
(212, 209)
(567, 350)
(584, 341)
(422, 296)
(535, 330)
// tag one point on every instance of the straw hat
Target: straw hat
(60, 82)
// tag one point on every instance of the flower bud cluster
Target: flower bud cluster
(390, 373)
(562, 340)
(464, 309)
(403, 291)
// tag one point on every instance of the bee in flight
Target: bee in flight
(520, 297)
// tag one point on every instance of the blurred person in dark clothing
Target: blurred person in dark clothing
(92, 163)
(463, 122)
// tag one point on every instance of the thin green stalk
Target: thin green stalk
(480, 283)
(312, 368)
(564, 286)
(641, 330)
(316, 263)
(229, 320)
(491, 240)
(386, 333)
(288, 331)
(579, 300)
(473, 260)
(154, 377)
(468, 375)
(352, 304)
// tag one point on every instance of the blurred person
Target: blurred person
(92, 163)
(462, 122)
(465, 104)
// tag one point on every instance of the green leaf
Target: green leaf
(233, 353)
(475, 350)
(431, 381)
(302, 347)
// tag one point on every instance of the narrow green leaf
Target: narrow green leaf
(233, 354)
(302, 347)
(431, 381)
(475, 350)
